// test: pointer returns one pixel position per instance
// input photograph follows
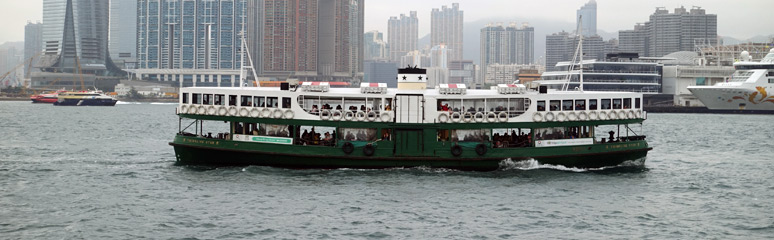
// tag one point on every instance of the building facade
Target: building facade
(33, 46)
(507, 45)
(562, 47)
(402, 35)
(668, 32)
(462, 71)
(588, 12)
(375, 46)
(123, 32)
(446, 27)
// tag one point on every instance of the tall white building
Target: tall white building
(667, 32)
(446, 28)
(375, 46)
(589, 20)
(402, 35)
(507, 45)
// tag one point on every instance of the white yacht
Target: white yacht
(751, 87)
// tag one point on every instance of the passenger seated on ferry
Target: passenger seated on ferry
(541, 108)
(362, 108)
(472, 109)
(445, 107)
(314, 109)
(327, 137)
(388, 108)
(338, 107)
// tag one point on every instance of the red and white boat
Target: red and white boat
(50, 97)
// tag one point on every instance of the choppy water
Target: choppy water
(108, 173)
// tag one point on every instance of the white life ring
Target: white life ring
(583, 116)
(386, 117)
(243, 112)
(349, 115)
(277, 113)
(202, 110)
(184, 108)
(622, 114)
(593, 115)
(456, 117)
(560, 117)
(325, 114)
(266, 113)
(336, 115)
(232, 111)
(467, 117)
(639, 114)
(222, 111)
(491, 117)
(479, 117)
(255, 112)
(612, 115)
(602, 115)
(502, 116)
(211, 110)
(361, 116)
(550, 117)
(537, 117)
(572, 116)
(443, 117)
(289, 114)
(371, 116)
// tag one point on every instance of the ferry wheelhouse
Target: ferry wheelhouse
(314, 126)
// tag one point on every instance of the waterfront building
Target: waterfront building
(402, 35)
(123, 33)
(688, 68)
(375, 46)
(668, 32)
(620, 72)
(33, 46)
(589, 20)
(446, 27)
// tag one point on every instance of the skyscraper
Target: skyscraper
(666, 32)
(33, 44)
(402, 35)
(446, 28)
(75, 34)
(123, 30)
(562, 46)
(375, 47)
(589, 20)
(507, 45)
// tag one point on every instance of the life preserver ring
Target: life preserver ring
(630, 114)
(537, 117)
(369, 150)
(325, 114)
(184, 108)
(336, 115)
(491, 117)
(277, 113)
(456, 117)
(456, 150)
(481, 149)
(550, 117)
(612, 115)
(502, 116)
(244, 112)
(479, 117)
(348, 148)
(266, 113)
(572, 116)
(289, 114)
(211, 110)
(255, 112)
(386, 117)
(622, 114)
(202, 110)
(583, 116)
(361, 116)
(560, 117)
(349, 115)
(593, 115)
(639, 114)
(602, 115)
(222, 111)
(467, 117)
(443, 117)
(232, 111)
(371, 116)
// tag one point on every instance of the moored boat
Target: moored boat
(84, 98)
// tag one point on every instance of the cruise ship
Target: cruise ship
(747, 89)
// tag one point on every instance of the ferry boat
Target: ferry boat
(314, 126)
(50, 97)
(84, 98)
(747, 89)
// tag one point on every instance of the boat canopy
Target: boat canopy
(459, 89)
(316, 86)
(511, 88)
(380, 88)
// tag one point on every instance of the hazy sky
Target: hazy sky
(740, 19)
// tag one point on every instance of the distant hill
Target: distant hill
(756, 39)
(18, 45)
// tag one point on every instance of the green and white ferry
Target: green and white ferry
(312, 125)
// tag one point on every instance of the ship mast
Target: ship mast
(580, 42)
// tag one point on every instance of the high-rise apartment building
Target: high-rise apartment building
(75, 36)
(402, 35)
(462, 71)
(375, 46)
(562, 46)
(123, 31)
(668, 32)
(33, 45)
(507, 45)
(588, 12)
(439, 56)
(255, 37)
(446, 28)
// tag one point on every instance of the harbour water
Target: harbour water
(108, 173)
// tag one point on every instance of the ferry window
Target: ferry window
(443, 135)
(553, 105)
(470, 135)
(232, 100)
(220, 99)
(627, 103)
(246, 101)
(476, 105)
(637, 103)
(580, 104)
(197, 98)
(511, 137)
(567, 105)
(541, 106)
(286, 102)
(517, 106)
(496, 104)
(271, 102)
(606, 104)
(454, 105)
(316, 135)
(273, 130)
(331, 104)
(185, 97)
(358, 134)
(592, 104)
(616, 103)
(207, 99)
(388, 106)
(259, 101)
(387, 134)
(355, 104)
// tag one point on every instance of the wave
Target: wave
(532, 164)
(127, 103)
(163, 103)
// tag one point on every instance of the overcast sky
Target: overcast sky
(740, 19)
